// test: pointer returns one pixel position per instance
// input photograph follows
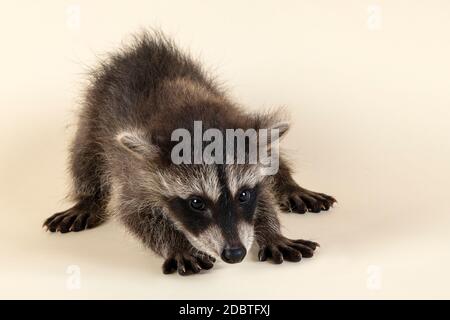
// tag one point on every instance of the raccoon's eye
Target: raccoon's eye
(244, 196)
(197, 204)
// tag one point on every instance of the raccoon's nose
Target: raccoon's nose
(233, 255)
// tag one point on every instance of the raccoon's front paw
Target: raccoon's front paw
(286, 249)
(74, 219)
(301, 200)
(187, 263)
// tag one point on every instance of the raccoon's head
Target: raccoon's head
(213, 205)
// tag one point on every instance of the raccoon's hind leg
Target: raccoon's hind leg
(90, 194)
(272, 244)
(86, 214)
(294, 198)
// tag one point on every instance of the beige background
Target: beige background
(368, 90)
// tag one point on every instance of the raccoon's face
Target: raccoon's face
(214, 206)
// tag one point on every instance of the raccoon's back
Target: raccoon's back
(126, 84)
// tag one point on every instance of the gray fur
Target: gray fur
(120, 159)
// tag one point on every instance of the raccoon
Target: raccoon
(190, 214)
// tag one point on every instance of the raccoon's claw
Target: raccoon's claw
(286, 249)
(188, 263)
(72, 220)
(301, 200)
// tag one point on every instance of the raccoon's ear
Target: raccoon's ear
(136, 143)
(273, 119)
(282, 127)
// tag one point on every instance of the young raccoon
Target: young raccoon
(189, 214)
